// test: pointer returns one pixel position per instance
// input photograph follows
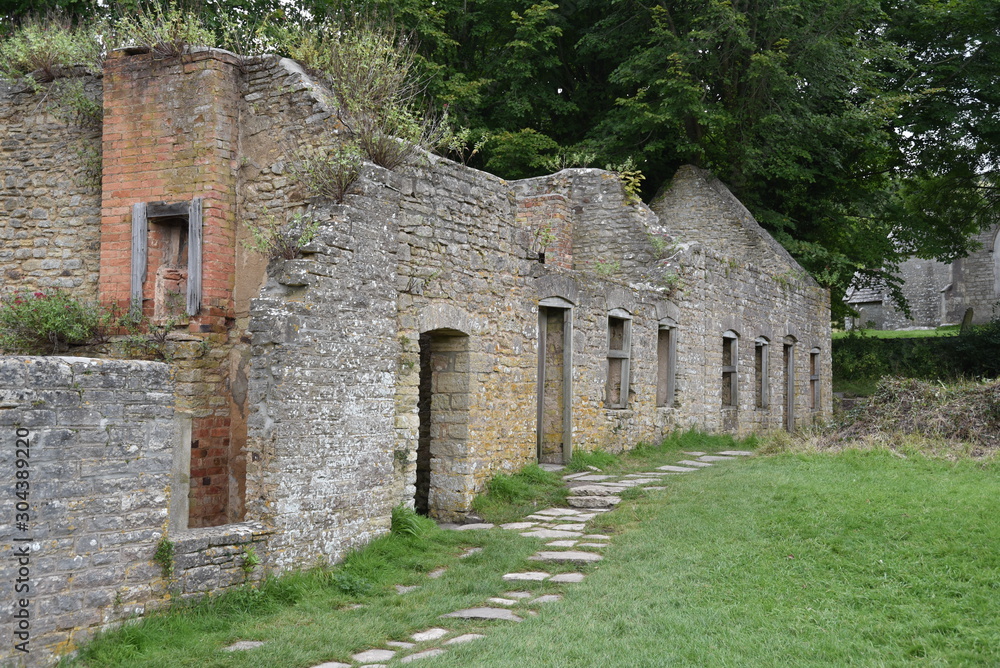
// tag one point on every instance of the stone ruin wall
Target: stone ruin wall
(975, 282)
(324, 365)
(50, 191)
(96, 443)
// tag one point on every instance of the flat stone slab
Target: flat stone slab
(716, 458)
(400, 644)
(593, 490)
(469, 552)
(435, 574)
(551, 467)
(430, 634)
(333, 664)
(567, 577)
(473, 527)
(517, 526)
(694, 453)
(593, 478)
(518, 594)
(578, 526)
(536, 576)
(373, 655)
(597, 536)
(551, 533)
(645, 481)
(677, 469)
(242, 645)
(548, 598)
(403, 589)
(593, 501)
(573, 476)
(468, 637)
(574, 556)
(561, 543)
(501, 601)
(426, 654)
(485, 613)
(556, 512)
(736, 453)
(592, 545)
(691, 462)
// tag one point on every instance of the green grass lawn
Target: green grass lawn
(792, 560)
(859, 558)
(946, 330)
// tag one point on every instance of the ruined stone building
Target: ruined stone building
(937, 293)
(442, 326)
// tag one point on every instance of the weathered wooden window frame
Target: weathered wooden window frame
(624, 354)
(730, 372)
(142, 214)
(762, 369)
(814, 385)
(666, 358)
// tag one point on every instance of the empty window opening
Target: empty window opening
(762, 386)
(442, 434)
(555, 381)
(789, 385)
(814, 398)
(619, 351)
(666, 364)
(730, 361)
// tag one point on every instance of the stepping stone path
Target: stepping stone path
(591, 493)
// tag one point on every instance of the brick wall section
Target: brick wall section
(49, 192)
(170, 134)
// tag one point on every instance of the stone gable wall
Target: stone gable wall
(50, 191)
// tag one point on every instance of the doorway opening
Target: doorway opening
(555, 381)
(443, 432)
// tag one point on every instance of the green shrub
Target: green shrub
(166, 30)
(858, 357)
(371, 71)
(330, 173)
(276, 240)
(40, 47)
(48, 322)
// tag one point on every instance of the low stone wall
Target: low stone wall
(92, 455)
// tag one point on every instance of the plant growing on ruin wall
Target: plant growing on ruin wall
(607, 268)
(330, 173)
(47, 322)
(371, 71)
(166, 31)
(276, 240)
(38, 48)
(631, 178)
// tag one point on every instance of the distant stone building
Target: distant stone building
(442, 326)
(937, 293)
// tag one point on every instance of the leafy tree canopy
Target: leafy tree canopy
(857, 131)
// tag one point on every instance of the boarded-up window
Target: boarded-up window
(814, 368)
(730, 360)
(619, 350)
(762, 385)
(666, 363)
